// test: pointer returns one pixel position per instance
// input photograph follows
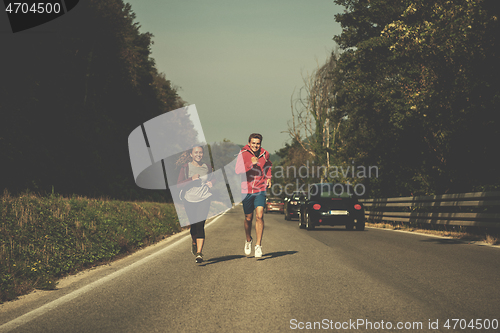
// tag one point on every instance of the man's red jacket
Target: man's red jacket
(256, 174)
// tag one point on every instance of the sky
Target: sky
(238, 61)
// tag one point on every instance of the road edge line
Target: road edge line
(29, 316)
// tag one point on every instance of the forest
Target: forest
(71, 92)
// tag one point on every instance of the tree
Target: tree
(285, 172)
(315, 121)
(417, 99)
(450, 68)
(69, 99)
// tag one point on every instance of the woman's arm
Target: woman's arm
(182, 181)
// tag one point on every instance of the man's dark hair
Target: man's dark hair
(255, 136)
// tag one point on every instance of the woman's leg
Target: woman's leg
(203, 208)
(190, 209)
(197, 214)
(200, 235)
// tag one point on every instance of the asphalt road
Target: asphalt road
(329, 279)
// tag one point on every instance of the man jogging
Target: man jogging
(255, 167)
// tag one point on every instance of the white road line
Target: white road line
(27, 317)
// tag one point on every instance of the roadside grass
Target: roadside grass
(43, 238)
(462, 233)
(492, 240)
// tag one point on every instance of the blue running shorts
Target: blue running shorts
(251, 201)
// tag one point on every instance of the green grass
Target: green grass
(45, 237)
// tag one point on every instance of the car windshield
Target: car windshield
(331, 191)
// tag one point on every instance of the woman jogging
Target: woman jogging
(195, 181)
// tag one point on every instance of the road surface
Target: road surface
(327, 279)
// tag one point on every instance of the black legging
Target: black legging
(197, 213)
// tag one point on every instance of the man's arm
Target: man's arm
(243, 163)
(267, 170)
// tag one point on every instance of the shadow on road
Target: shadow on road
(339, 228)
(221, 259)
(275, 255)
(235, 257)
(447, 241)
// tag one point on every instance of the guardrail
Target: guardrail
(440, 209)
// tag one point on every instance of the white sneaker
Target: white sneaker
(248, 247)
(258, 251)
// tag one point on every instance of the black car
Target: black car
(332, 204)
(292, 204)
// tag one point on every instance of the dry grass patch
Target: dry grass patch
(490, 238)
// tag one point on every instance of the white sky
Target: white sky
(239, 61)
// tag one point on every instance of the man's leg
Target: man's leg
(259, 223)
(248, 226)
(248, 211)
(248, 233)
(260, 203)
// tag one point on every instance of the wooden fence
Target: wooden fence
(440, 209)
